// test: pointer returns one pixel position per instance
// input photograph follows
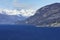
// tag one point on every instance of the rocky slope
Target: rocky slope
(46, 16)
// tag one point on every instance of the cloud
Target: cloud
(28, 12)
(23, 12)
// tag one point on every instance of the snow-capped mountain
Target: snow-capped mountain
(23, 12)
(12, 16)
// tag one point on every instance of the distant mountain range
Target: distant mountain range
(46, 16)
(10, 19)
(12, 16)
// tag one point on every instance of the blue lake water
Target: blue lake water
(28, 32)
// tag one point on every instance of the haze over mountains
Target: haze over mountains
(46, 16)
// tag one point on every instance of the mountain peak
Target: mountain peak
(56, 4)
(46, 8)
(46, 16)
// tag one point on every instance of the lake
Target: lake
(28, 32)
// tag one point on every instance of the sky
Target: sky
(23, 7)
(25, 4)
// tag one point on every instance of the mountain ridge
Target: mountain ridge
(46, 16)
(10, 19)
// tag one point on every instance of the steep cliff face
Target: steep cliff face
(46, 16)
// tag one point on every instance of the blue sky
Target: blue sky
(25, 4)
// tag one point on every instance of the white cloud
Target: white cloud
(29, 12)
(22, 12)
